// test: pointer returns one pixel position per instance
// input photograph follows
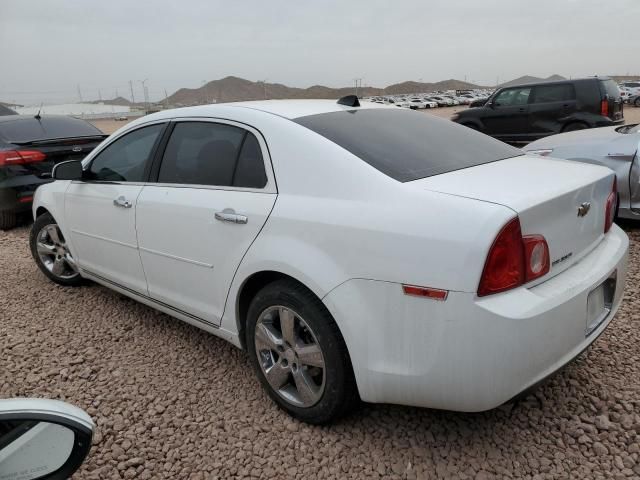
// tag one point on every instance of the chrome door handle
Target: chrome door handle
(122, 202)
(230, 215)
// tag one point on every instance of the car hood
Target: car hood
(604, 141)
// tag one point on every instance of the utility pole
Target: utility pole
(166, 99)
(264, 86)
(99, 95)
(133, 100)
(145, 92)
(358, 83)
(79, 93)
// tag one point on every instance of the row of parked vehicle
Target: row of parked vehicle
(419, 101)
(630, 92)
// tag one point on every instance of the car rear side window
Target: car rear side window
(512, 96)
(407, 145)
(125, 159)
(554, 93)
(610, 88)
(215, 154)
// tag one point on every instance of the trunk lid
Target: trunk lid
(545, 193)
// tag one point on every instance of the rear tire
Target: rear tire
(310, 373)
(8, 220)
(50, 252)
(636, 102)
(575, 126)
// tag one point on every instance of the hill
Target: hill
(530, 79)
(235, 89)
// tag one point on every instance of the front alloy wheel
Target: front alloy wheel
(51, 252)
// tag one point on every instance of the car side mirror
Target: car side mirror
(42, 438)
(69, 170)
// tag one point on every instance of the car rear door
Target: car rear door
(100, 210)
(549, 107)
(506, 116)
(214, 192)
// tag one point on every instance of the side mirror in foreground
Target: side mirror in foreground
(42, 439)
(69, 170)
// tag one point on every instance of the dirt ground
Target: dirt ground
(171, 401)
(631, 115)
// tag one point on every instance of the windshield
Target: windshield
(407, 145)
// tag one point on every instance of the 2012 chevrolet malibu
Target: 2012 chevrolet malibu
(355, 251)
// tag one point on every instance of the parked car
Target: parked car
(4, 110)
(29, 148)
(355, 251)
(42, 439)
(635, 100)
(614, 147)
(527, 112)
(632, 87)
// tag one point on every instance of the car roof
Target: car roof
(554, 82)
(290, 109)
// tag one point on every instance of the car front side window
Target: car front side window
(213, 154)
(513, 96)
(126, 159)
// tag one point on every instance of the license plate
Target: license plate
(599, 303)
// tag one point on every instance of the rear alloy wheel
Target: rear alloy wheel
(51, 253)
(299, 354)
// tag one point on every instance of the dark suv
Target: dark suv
(527, 112)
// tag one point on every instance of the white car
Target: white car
(355, 251)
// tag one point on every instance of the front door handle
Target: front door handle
(122, 202)
(230, 215)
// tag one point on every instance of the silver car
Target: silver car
(613, 147)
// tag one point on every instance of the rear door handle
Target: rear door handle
(230, 215)
(122, 202)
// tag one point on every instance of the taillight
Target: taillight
(610, 210)
(513, 260)
(604, 107)
(20, 157)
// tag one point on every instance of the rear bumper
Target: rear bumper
(469, 353)
(16, 193)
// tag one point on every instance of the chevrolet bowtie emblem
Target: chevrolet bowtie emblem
(583, 209)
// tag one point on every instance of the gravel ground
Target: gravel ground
(171, 401)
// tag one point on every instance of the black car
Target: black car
(525, 113)
(29, 147)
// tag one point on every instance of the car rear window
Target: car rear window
(407, 145)
(21, 129)
(610, 88)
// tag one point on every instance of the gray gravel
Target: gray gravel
(171, 401)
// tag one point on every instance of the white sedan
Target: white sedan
(356, 252)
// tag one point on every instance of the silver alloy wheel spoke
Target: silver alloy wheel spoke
(290, 356)
(305, 386)
(277, 376)
(44, 249)
(287, 324)
(58, 267)
(52, 231)
(310, 355)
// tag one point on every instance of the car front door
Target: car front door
(214, 192)
(505, 116)
(100, 210)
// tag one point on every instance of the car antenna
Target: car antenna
(38, 116)
(349, 101)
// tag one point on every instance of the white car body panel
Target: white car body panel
(354, 243)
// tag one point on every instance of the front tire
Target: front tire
(51, 253)
(636, 102)
(299, 354)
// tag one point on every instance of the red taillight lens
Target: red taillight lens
(610, 210)
(20, 157)
(514, 260)
(604, 107)
(536, 253)
(426, 292)
(504, 268)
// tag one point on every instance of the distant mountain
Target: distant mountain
(119, 101)
(529, 79)
(235, 89)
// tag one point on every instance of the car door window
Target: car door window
(513, 96)
(554, 93)
(215, 154)
(125, 159)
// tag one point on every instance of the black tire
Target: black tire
(340, 394)
(68, 278)
(575, 126)
(8, 220)
(636, 102)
